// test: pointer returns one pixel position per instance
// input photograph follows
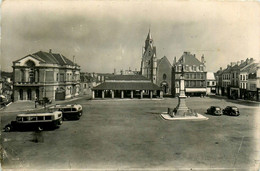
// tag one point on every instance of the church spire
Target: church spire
(149, 36)
(149, 40)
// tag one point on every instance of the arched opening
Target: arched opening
(21, 94)
(165, 87)
(37, 93)
(29, 94)
(31, 66)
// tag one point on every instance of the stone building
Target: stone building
(194, 74)
(44, 74)
(159, 71)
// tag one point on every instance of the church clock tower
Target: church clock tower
(149, 59)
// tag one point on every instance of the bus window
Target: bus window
(40, 118)
(19, 119)
(59, 115)
(33, 118)
(67, 109)
(25, 118)
(47, 117)
(74, 109)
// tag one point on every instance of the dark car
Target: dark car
(45, 100)
(214, 110)
(231, 110)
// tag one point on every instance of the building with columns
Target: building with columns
(159, 71)
(127, 86)
(45, 74)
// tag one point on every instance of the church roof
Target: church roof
(163, 59)
(149, 36)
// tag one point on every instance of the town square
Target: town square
(128, 85)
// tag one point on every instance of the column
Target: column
(103, 94)
(122, 94)
(151, 94)
(132, 94)
(93, 94)
(161, 94)
(141, 94)
(112, 94)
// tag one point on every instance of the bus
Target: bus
(35, 121)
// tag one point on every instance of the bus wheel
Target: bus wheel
(39, 128)
(8, 128)
(60, 122)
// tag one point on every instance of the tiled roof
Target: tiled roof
(127, 77)
(52, 58)
(250, 68)
(127, 86)
(189, 59)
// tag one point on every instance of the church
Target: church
(159, 71)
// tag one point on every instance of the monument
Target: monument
(181, 111)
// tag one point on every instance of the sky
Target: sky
(106, 35)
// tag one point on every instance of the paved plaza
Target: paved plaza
(131, 135)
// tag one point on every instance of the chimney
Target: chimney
(114, 71)
(50, 51)
(202, 58)
(232, 64)
(251, 59)
(174, 60)
(220, 68)
(73, 59)
(238, 62)
(242, 61)
(121, 71)
(228, 66)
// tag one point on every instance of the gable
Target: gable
(24, 60)
(164, 61)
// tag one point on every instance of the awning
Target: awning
(191, 90)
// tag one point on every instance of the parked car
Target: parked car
(231, 110)
(214, 110)
(73, 111)
(45, 100)
(35, 121)
(3, 101)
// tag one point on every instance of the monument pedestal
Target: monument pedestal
(181, 109)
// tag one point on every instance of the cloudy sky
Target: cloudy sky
(107, 35)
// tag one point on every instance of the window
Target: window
(246, 77)
(47, 117)
(164, 76)
(240, 77)
(25, 118)
(19, 118)
(33, 118)
(40, 118)
(57, 77)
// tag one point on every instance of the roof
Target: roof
(189, 59)
(250, 68)
(51, 58)
(162, 59)
(127, 86)
(210, 76)
(127, 77)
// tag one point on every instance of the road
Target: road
(131, 135)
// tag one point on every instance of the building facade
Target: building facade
(159, 71)
(44, 74)
(211, 83)
(194, 73)
(239, 80)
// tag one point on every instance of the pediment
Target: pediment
(26, 59)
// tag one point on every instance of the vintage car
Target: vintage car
(214, 110)
(35, 121)
(69, 112)
(231, 110)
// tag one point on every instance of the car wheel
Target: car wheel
(39, 128)
(8, 128)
